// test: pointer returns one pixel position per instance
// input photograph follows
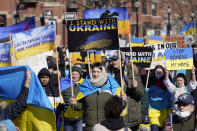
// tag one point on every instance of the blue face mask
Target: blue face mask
(158, 76)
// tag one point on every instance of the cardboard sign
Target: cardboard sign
(158, 57)
(178, 59)
(180, 40)
(141, 56)
(92, 34)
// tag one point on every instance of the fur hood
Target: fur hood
(129, 65)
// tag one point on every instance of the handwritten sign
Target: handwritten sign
(179, 58)
(158, 57)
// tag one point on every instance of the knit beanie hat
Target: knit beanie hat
(77, 69)
(44, 72)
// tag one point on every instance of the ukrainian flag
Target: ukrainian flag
(22, 26)
(39, 114)
(159, 105)
(137, 42)
(188, 29)
(155, 39)
(5, 59)
(86, 88)
(121, 13)
(163, 33)
(34, 41)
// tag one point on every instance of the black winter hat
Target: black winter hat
(44, 72)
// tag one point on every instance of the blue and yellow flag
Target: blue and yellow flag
(5, 59)
(22, 26)
(86, 88)
(137, 42)
(121, 13)
(39, 114)
(155, 40)
(159, 105)
(163, 33)
(34, 41)
(188, 29)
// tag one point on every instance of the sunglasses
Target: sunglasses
(182, 104)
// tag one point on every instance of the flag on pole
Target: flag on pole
(22, 26)
(121, 13)
(188, 29)
(137, 42)
(5, 59)
(155, 39)
(34, 41)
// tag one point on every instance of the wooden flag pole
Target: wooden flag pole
(147, 78)
(58, 74)
(131, 57)
(71, 80)
(121, 81)
(89, 62)
(12, 52)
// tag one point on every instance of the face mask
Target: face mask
(158, 76)
(181, 85)
(183, 114)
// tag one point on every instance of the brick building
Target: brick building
(152, 14)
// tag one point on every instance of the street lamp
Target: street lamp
(168, 26)
(192, 15)
(137, 5)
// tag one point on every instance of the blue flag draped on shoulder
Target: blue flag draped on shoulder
(34, 41)
(22, 26)
(86, 88)
(5, 59)
(39, 110)
(188, 29)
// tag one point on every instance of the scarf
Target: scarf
(113, 124)
(100, 81)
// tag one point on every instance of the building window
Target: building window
(154, 9)
(133, 6)
(146, 26)
(3, 20)
(144, 6)
(133, 30)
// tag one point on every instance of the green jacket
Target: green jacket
(134, 95)
(69, 112)
(93, 107)
(188, 125)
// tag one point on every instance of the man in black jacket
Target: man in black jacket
(13, 110)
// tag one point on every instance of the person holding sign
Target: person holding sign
(180, 86)
(94, 92)
(72, 118)
(133, 87)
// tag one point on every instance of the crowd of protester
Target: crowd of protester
(99, 99)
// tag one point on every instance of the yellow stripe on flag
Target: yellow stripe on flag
(35, 50)
(123, 27)
(36, 119)
(5, 64)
